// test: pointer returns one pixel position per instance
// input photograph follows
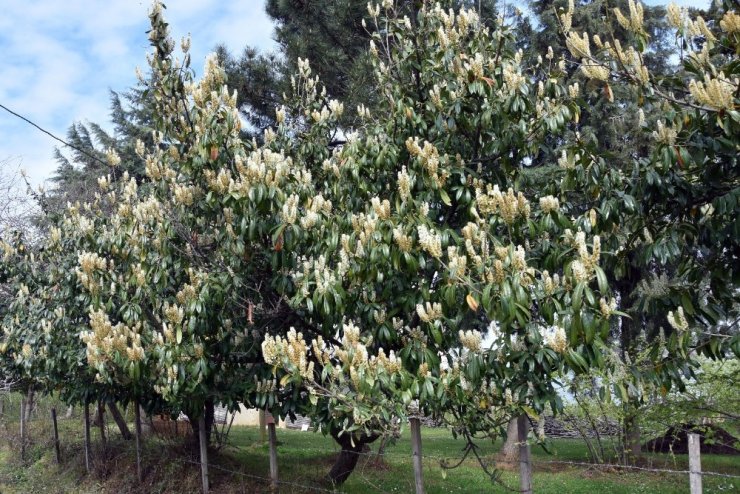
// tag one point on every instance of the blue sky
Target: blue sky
(60, 58)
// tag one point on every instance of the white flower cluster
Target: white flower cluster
(665, 135)
(568, 162)
(634, 23)
(457, 264)
(583, 267)
(429, 312)
(454, 27)
(566, 18)
(512, 75)
(430, 241)
(148, 210)
(404, 242)
(510, 206)
(549, 204)
(316, 206)
(678, 320)
(404, 184)
(730, 23)
(429, 157)
(315, 272)
(555, 338)
(290, 209)
(476, 244)
(105, 340)
(470, 340)
(550, 283)
(89, 262)
(276, 349)
(607, 307)
(382, 208)
(716, 93)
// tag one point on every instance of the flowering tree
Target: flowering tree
(668, 213)
(417, 242)
(364, 276)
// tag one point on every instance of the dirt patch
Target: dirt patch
(713, 439)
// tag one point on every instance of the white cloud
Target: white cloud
(699, 4)
(61, 58)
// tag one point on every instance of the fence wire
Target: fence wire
(256, 477)
(394, 455)
(409, 457)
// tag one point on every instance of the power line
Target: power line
(52, 135)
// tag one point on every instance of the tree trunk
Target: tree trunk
(101, 424)
(97, 418)
(630, 329)
(525, 467)
(208, 419)
(510, 450)
(30, 403)
(632, 447)
(349, 455)
(120, 422)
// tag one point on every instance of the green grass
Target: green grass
(305, 457)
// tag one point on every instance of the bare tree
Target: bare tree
(16, 204)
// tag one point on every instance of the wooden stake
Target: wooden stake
(23, 428)
(137, 426)
(87, 435)
(263, 426)
(273, 453)
(56, 434)
(203, 451)
(525, 468)
(695, 463)
(415, 424)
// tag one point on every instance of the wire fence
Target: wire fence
(298, 480)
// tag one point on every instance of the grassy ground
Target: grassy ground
(304, 460)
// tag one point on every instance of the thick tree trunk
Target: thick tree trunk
(194, 423)
(510, 450)
(120, 422)
(352, 445)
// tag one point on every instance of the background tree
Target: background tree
(675, 245)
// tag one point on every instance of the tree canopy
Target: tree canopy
(468, 239)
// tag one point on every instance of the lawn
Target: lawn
(304, 458)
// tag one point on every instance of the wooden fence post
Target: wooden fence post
(203, 451)
(272, 437)
(415, 426)
(263, 426)
(56, 434)
(525, 468)
(87, 435)
(695, 463)
(137, 427)
(23, 427)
